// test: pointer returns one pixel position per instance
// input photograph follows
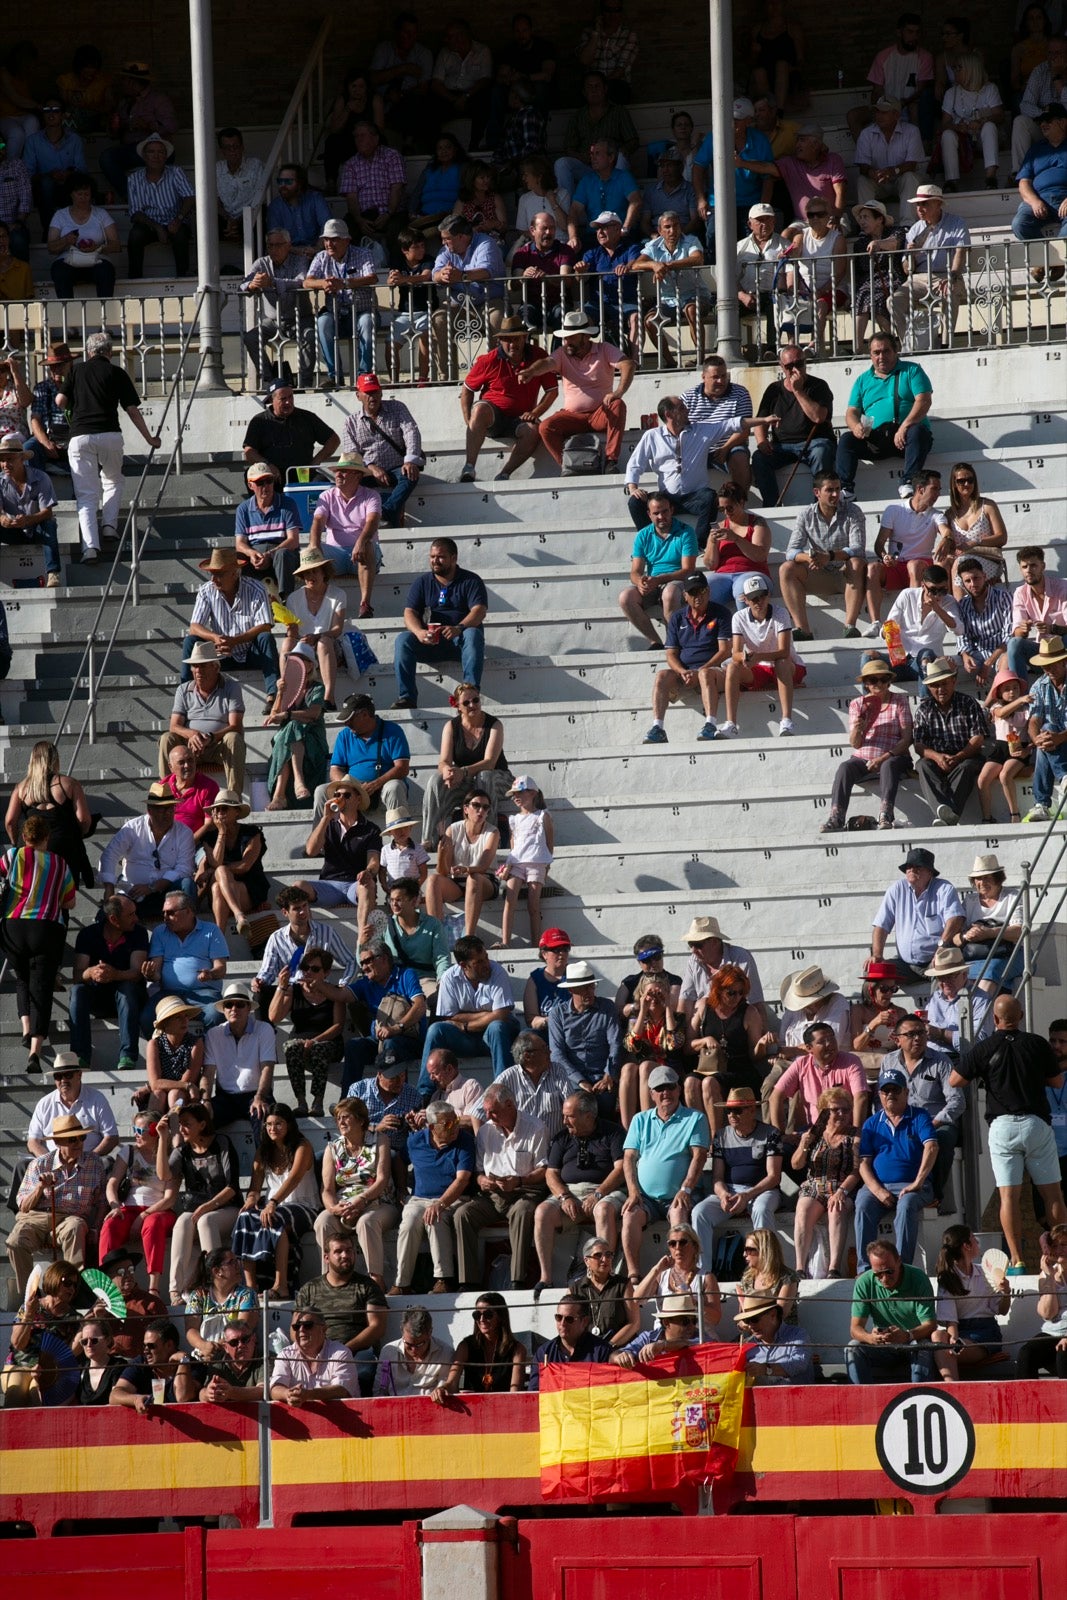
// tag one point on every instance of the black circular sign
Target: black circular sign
(925, 1441)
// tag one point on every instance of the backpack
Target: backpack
(583, 455)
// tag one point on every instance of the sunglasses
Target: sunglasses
(965, 480)
(173, 912)
(815, 215)
(92, 1338)
(599, 1255)
(477, 805)
(234, 1005)
(343, 794)
(234, 1339)
(737, 1111)
(792, 366)
(676, 1244)
(891, 1088)
(63, 1077)
(883, 1272)
(308, 968)
(304, 1327)
(563, 1320)
(750, 1250)
(678, 1322)
(485, 1316)
(475, 700)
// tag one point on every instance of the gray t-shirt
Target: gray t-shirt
(210, 714)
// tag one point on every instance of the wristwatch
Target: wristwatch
(597, 1195)
(685, 1189)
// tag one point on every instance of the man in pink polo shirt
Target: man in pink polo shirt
(595, 376)
(826, 1066)
(1038, 609)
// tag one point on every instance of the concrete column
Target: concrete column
(459, 1555)
(727, 310)
(207, 237)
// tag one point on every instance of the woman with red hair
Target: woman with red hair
(729, 1037)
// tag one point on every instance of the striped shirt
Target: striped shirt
(250, 608)
(160, 201)
(358, 263)
(984, 631)
(736, 402)
(283, 945)
(38, 885)
(79, 1193)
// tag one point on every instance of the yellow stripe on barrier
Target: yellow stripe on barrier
(114, 1469)
(1009, 1446)
(998, 1447)
(395, 1458)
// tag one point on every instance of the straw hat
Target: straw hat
(159, 795)
(222, 559)
(395, 821)
(232, 802)
(676, 1305)
(68, 1128)
(984, 867)
(803, 988)
(875, 668)
(154, 138)
(312, 561)
(172, 1005)
(350, 461)
(203, 654)
(945, 962)
(1048, 650)
(360, 790)
(702, 928)
(234, 991)
(579, 976)
(756, 1308)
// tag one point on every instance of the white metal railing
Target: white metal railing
(297, 138)
(149, 332)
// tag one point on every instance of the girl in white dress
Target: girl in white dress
(532, 844)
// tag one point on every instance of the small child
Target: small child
(1013, 753)
(400, 858)
(528, 860)
(412, 283)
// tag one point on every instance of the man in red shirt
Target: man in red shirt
(499, 400)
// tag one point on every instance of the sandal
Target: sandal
(1014, 816)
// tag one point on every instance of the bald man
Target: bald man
(1014, 1066)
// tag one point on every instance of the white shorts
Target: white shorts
(528, 871)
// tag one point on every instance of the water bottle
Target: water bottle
(867, 424)
(278, 1342)
(891, 634)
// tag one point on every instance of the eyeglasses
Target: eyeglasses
(475, 700)
(234, 1005)
(365, 965)
(563, 1319)
(317, 968)
(304, 1327)
(343, 794)
(63, 1077)
(737, 1111)
(92, 1338)
(175, 911)
(815, 215)
(153, 1344)
(792, 366)
(678, 1322)
(891, 1088)
(599, 1255)
(735, 988)
(938, 589)
(910, 1033)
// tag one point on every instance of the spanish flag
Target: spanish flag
(619, 1433)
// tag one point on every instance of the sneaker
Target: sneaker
(785, 727)
(887, 820)
(656, 644)
(847, 494)
(1017, 1269)
(90, 556)
(851, 632)
(906, 489)
(128, 1064)
(1038, 814)
(874, 631)
(728, 730)
(467, 475)
(710, 730)
(803, 635)
(403, 704)
(946, 816)
(109, 535)
(503, 475)
(53, 581)
(655, 735)
(833, 824)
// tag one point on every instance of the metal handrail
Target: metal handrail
(88, 667)
(294, 117)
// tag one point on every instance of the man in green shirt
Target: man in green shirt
(898, 1302)
(885, 416)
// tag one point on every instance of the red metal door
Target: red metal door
(314, 1564)
(1000, 1557)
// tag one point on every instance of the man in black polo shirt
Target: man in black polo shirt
(286, 435)
(698, 640)
(804, 407)
(1015, 1067)
(585, 1179)
(443, 618)
(94, 392)
(108, 957)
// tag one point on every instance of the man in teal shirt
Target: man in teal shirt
(885, 416)
(664, 554)
(663, 1156)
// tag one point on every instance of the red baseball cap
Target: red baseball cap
(555, 939)
(368, 384)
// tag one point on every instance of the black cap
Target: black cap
(279, 384)
(1053, 111)
(918, 858)
(356, 703)
(118, 1258)
(695, 583)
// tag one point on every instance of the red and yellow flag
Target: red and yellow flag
(615, 1432)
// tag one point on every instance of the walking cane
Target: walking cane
(796, 464)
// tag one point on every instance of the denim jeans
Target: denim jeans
(1020, 654)
(394, 498)
(700, 504)
(907, 1215)
(1024, 225)
(850, 451)
(333, 327)
(817, 455)
(261, 653)
(1048, 768)
(902, 1363)
(495, 1042)
(361, 1058)
(121, 1000)
(407, 651)
(709, 1215)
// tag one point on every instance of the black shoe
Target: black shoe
(539, 1288)
(403, 704)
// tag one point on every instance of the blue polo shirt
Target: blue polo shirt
(435, 1170)
(697, 639)
(402, 980)
(664, 1149)
(665, 555)
(184, 958)
(600, 194)
(448, 603)
(363, 758)
(748, 186)
(1046, 168)
(872, 395)
(896, 1153)
(613, 290)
